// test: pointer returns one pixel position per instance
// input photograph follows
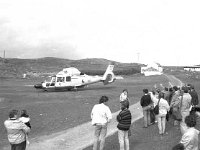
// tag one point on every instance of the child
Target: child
(26, 120)
(124, 95)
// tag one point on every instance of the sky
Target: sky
(128, 31)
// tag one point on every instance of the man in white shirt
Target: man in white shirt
(100, 116)
(190, 137)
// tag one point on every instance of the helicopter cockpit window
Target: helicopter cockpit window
(68, 79)
(60, 79)
(53, 79)
(48, 79)
(82, 73)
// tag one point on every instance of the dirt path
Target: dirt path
(80, 137)
(174, 81)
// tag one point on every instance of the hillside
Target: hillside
(13, 67)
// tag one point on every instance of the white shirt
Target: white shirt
(163, 107)
(154, 99)
(16, 131)
(24, 119)
(190, 139)
(101, 114)
(122, 97)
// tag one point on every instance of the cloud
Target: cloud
(34, 41)
(160, 30)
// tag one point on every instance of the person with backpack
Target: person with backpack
(155, 102)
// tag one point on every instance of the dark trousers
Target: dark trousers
(20, 146)
(152, 116)
(147, 119)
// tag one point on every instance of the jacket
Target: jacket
(190, 139)
(101, 114)
(16, 131)
(145, 100)
(124, 120)
(185, 103)
(163, 107)
(194, 95)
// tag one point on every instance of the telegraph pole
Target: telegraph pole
(138, 57)
(4, 54)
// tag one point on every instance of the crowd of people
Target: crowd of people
(177, 103)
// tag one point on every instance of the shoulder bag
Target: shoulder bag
(156, 108)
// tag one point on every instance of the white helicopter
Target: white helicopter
(71, 78)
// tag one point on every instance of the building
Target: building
(152, 69)
(192, 68)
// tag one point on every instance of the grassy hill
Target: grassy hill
(13, 67)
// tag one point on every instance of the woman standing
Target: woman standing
(163, 109)
(124, 123)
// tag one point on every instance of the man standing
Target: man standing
(146, 103)
(194, 95)
(175, 105)
(100, 115)
(190, 138)
(16, 131)
(185, 104)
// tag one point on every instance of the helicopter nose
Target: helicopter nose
(38, 86)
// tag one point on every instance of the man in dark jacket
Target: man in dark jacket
(124, 123)
(194, 95)
(146, 103)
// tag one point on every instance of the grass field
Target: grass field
(55, 111)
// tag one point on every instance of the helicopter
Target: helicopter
(72, 79)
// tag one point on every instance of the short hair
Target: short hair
(158, 90)
(24, 113)
(153, 92)
(175, 88)
(185, 89)
(190, 120)
(145, 90)
(161, 95)
(125, 90)
(12, 113)
(125, 104)
(192, 86)
(103, 99)
(166, 89)
(171, 89)
(178, 146)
